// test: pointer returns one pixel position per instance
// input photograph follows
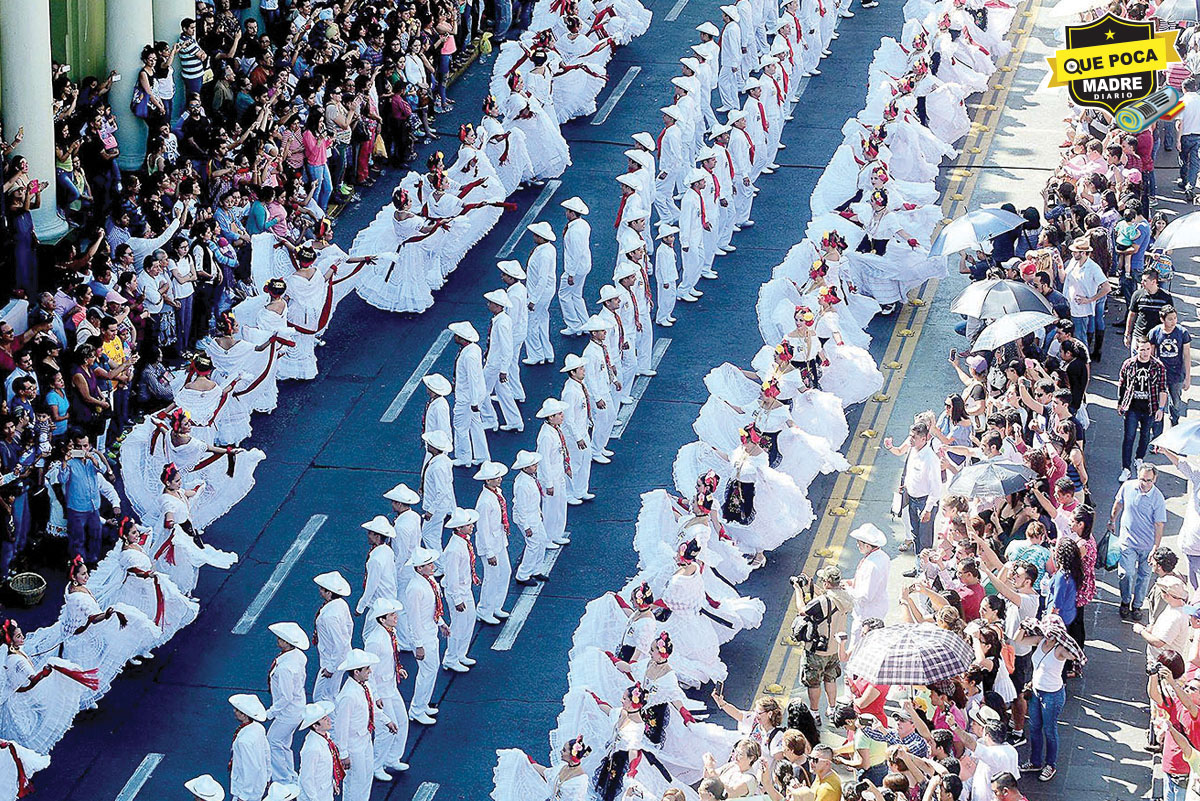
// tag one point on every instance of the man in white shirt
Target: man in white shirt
(671, 165)
(287, 679)
(1187, 136)
(491, 542)
(460, 581)
(322, 766)
(470, 393)
(436, 489)
(497, 358)
(437, 409)
(425, 614)
(577, 263)
(250, 762)
(1084, 283)
(527, 515)
(554, 471)
(356, 722)
(987, 746)
(511, 275)
(382, 641)
(922, 485)
(332, 634)
(603, 383)
(380, 579)
(541, 284)
(406, 538)
(577, 424)
(869, 587)
(666, 273)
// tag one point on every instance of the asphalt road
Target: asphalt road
(329, 454)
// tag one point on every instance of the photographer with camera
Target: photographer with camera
(821, 628)
(1176, 710)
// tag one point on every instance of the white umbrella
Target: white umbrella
(973, 229)
(1182, 232)
(1183, 439)
(1012, 327)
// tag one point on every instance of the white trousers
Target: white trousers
(389, 748)
(742, 202)
(627, 368)
(602, 424)
(470, 440)
(664, 200)
(279, 738)
(427, 669)
(726, 218)
(533, 558)
(462, 628)
(514, 371)
(644, 345)
(357, 784)
(495, 584)
(537, 337)
(504, 395)
(326, 688)
(693, 265)
(554, 513)
(570, 300)
(729, 83)
(581, 469)
(431, 532)
(666, 301)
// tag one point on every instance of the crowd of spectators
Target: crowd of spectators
(271, 126)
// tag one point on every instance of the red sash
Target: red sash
(339, 773)
(703, 213)
(566, 452)
(24, 786)
(471, 553)
(503, 507)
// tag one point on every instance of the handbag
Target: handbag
(139, 104)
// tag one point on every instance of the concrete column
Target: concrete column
(129, 26)
(167, 15)
(25, 86)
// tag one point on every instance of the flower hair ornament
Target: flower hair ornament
(306, 255)
(435, 163)
(784, 352)
(169, 473)
(771, 388)
(276, 287)
(125, 526)
(9, 629)
(710, 480)
(750, 433)
(829, 295)
(688, 551)
(514, 81)
(806, 316)
(400, 198)
(833, 240)
(637, 696)
(73, 568)
(177, 418)
(921, 67)
(576, 750)
(891, 110)
(226, 323)
(490, 106)
(818, 269)
(870, 149)
(880, 171)
(202, 364)
(879, 197)
(465, 130)
(323, 229)
(662, 645)
(642, 596)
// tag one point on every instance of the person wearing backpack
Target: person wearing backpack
(821, 628)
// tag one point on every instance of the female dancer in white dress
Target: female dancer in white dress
(518, 778)
(127, 576)
(268, 312)
(249, 354)
(397, 281)
(17, 766)
(849, 371)
(180, 552)
(219, 415)
(611, 623)
(222, 476)
(583, 72)
(552, 156)
(100, 638)
(666, 519)
(506, 148)
(38, 706)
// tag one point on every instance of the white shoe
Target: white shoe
(488, 619)
(468, 661)
(608, 452)
(1124, 475)
(824, 53)
(573, 502)
(382, 775)
(424, 719)
(500, 613)
(587, 496)
(562, 541)
(748, 224)
(650, 373)
(768, 171)
(456, 667)
(688, 298)
(431, 711)
(398, 766)
(518, 429)
(666, 323)
(696, 293)
(601, 459)
(782, 146)
(552, 546)
(460, 463)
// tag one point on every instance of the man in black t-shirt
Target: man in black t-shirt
(1145, 308)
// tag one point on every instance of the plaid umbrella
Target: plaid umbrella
(910, 653)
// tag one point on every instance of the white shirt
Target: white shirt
(691, 228)
(551, 470)
(437, 489)
(287, 682)
(456, 561)
(540, 274)
(490, 537)
(596, 375)
(419, 607)
(1082, 279)
(316, 769)
(519, 297)
(671, 152)
(408, 537)
(1188, 121)
(993, 760)
(251, 763)
(382, 680)
(578, 414)
(437, 418)
(577, 249)
(468, 376)
(870, 590)
(335, 627)
(666, 267)
(499, 354)
(923, 476)
(381, 578)
(351, 716)
(527, 503)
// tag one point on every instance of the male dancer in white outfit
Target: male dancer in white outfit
(384, 644)
(577, 423)
(541, 271)
(356, 723)
(381, 568)
(603, 383)
(577, 263)
(250, 758)
(287, 680)
(321, 763)
(527, 515)
(425, 614)
(496, 360)
(437, 409)
(731, 77)
(469, 395)
(554, 470)
(458, 560)
(671, 164)
(436, 489)
(666, 273)
(511, 275)
(405, 540)
(332, 634)
(491, 543)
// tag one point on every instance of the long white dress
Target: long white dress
(38, 706)
(17, 766)
(552, 155)
(219, 415)
(127, 576)
(178, 556)
(256, 370)
(397, 281)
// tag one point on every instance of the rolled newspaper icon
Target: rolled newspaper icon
(1134, 118)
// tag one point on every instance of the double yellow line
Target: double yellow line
(785, 659)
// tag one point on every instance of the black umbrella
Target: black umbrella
(994, 298)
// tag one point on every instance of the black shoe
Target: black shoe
(1135, 615)
(910, 573)
(541, 577)
(529, 582)
(1123, 612)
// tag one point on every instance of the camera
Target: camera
(801, 580)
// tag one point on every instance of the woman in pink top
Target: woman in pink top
(316, 152)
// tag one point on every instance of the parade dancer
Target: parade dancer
(731, 77)
(250, 757)
(603, 384)
(491, 543)
(577, 263)
(497, 357)
(554, 470)
(471, 446)
(286, 680)
(437, 409)
(461, 579)
(436, 489)
(671, 164)
(543, 264)
(322, 767)
(380, 579)
(406, 538)
(577, 423)
(666, 273)
(384, 644)
(332, 633)
(511, 275)
(425, 613)
(623, 356)
(527, 515)
(356, 722)
(694, 224)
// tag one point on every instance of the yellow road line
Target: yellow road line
(783, 666)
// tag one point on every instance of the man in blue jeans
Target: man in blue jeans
(1187, 129)
(1141, 398)
(81, 497)
(1143, 513)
